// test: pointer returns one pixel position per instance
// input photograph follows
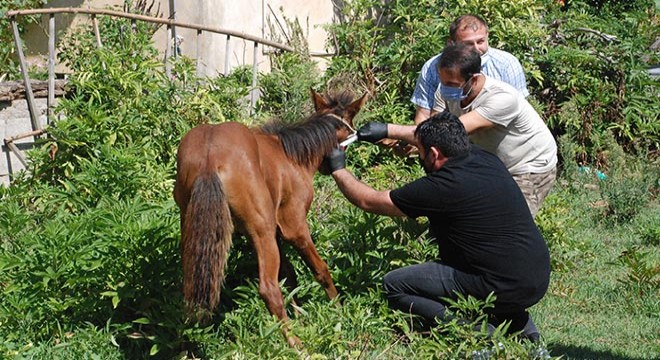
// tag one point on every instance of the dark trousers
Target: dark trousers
(419, 289)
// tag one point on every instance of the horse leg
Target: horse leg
(295, 231)
(269, 288)
(258, 221)
(287, 273)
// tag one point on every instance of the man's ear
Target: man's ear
(439, 158)
(435, 152)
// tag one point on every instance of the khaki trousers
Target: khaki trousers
(535, 187)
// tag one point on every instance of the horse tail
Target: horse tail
(205, 239)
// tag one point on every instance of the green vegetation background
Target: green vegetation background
(89, 239)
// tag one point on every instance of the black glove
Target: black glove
(372, 132)
(336, 160)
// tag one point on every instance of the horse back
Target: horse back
(252, 166)
(227, 149)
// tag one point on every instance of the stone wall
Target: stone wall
(15, 121)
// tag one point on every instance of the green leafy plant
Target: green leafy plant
(555, 220)
(89, 238)
(642, 278)
(642, 271)
(9, 66)
(648, 227)
(629, 186)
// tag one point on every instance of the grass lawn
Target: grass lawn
(595, 309)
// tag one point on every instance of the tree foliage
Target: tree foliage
(9, 67)
(586, 65)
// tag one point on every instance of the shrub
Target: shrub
(9, 67)
(629, 185)
(555, 220)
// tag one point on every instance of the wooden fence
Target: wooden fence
(37, 130)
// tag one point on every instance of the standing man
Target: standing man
(466, 194)
(499, 119)
(472, 31)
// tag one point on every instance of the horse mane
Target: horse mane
(338, 102)
(304, 142)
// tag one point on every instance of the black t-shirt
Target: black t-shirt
(483, 227)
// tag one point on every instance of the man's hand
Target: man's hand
(336, 160)
(372, 132)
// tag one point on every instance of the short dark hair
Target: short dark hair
(464, 22)
(446, 132)
(463, 57)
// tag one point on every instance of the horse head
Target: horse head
(340, 107)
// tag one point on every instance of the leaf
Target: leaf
(154, 350)
(112, 139)
(109, 293)
(142, 320)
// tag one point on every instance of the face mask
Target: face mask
(485, 57)
(450, 93)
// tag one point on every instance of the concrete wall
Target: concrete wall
(14, 121)
(262, 18)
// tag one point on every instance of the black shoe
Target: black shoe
(490, 329)
(530, 332)
(521, 324)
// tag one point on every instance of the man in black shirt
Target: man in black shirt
(487, 237)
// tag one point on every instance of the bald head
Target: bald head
(470, 30)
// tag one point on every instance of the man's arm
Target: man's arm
(421, 114)
(363, 196)
(499, 108)
(402, 132)
(375, 131)
(473, 121)
(357, 192)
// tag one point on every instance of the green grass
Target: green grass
(594, 308)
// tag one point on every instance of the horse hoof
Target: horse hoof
(294, 342)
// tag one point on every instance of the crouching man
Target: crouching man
(487, 237)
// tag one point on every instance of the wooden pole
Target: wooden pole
(253, 93)
(152, 19)
(198, 55)
(173, 18)
(97, 33)
(50, 103)
(13, 90)
(227, 52)
(29, 96)
(17, 152)
(9, 142)
(168, 66)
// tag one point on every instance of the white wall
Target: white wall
(247, 16)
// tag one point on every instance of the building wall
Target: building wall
(15, 121)
(262, 18)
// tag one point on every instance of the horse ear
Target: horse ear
(355, 106)
(318, 100)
